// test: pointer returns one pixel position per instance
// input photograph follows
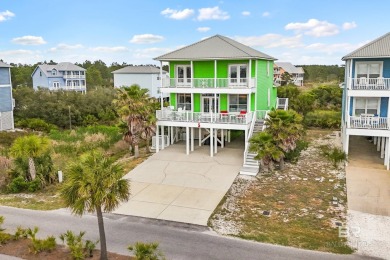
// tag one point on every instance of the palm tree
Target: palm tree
(95, 184)
(30, 147)
(137, 109)
(286, 128)
(266, 149)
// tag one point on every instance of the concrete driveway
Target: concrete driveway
(171, 185)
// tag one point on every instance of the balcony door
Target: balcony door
(210, 104)
(183, 73)
(238, 74)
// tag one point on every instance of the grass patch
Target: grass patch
(293, 207)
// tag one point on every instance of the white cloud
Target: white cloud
(29, 40)
(266, 14)
(212, 13)
(64, 47)
(110, 49)
(6, 15)
(246, 13)
(203, 29)
(21, 56)
(349, 25)
(177, 14)
(314, 28)
(146, 38)
(271, 41)
(150, 53)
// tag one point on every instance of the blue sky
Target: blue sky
(299, 31)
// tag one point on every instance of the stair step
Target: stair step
(249, 170)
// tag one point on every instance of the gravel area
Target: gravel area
(369, 234)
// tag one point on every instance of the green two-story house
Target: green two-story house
(216, 85)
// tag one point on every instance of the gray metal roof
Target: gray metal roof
(62, 66)
(287, 66)
(215, 47)
(138, 70)
(377, 48)
(4, 65)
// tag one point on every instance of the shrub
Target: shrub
(36, 124)
(146, 251)
(18, 184)
(323, 119)
(4, 238)
(77, 248)
(20, 233)
(293, 155)
(334, 154)
(39, 245)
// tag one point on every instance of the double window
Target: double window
(238, 74)
(183, 73)
(369, 70)
(238, 102)
(56, 84)
(367, 106)
(184, 101)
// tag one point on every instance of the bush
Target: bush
(293, 155)
(18, 184)
(36, 124)
(39, 245)
(334, 154)
(146, 251)
(4, 238)
(323, 119)
(20, 233)
(77, 248)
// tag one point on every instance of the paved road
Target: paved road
(178, 241)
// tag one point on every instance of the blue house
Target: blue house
(366, 110)
(6, 100)
(63, 76)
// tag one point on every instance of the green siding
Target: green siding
(253, 95)
(203, 69)
(172, 99)
(265, 83)
(197, 102)
(223, 102)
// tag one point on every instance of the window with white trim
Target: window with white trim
(184, 101)
(238, 74)
(369, 70)
(53, 72)
(238, 102)
(56, 84)
(183, 74)
(366, 106)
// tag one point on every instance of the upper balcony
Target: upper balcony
(74, 76)
(209, 85)
(375, 87)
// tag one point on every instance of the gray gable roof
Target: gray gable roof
(215, 47)
(62, 66)
(377, 48)
(4, 65)
(287, 66)
(138, 70)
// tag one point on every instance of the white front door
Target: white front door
(183, 73)
(209, 105)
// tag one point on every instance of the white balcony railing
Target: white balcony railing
(282, 103)
(368, 122)
(200, 117)
(209, 83)
(369, 84)
(74, 76)
(79, 88)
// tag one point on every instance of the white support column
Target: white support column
(157, 138)
(346, 145)
(162, 137)
(216, 141)
(200, 136)
(211, 143)
(187, 141)
(222, 139)
(256, 85)
(249, 82)
(388, 153)
(215, 73)
(383, 147)
(386, 162)
(192, 74)
(378, 146)
(229, 135)
(246, 138)
(192, 139)
(172, 134)
(169, 136)
(177, 134)
(375, 139)
(161, 85)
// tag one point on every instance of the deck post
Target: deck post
(192, 139)
(157, 138)
(163, 136)
(200, 136)
(378, 146)
(228, 135)
(346, 144)
(386, 162)
(388, 154)
(187, 141)
(375, 139)
(216, 141)
(169, 136)
(222, 139)
(383, 147)
(211, 142)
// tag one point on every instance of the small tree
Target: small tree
(146, 251)
(266, 149)
(30, 147)
(95, 184)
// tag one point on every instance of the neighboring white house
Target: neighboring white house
(6, 101)
(144, 76)
(62, 76)
(297, 73)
